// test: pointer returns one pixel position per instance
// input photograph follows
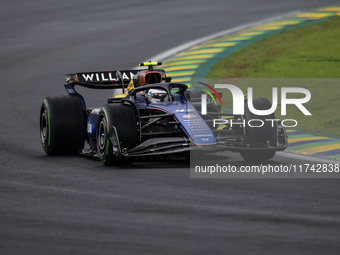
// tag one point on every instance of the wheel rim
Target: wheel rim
(44, 128)
(102, 134)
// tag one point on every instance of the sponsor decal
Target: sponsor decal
(189, 116)
(96, 111)
(75, 77)
(203, 134)
(185, 110)
(106, 76)
(70, 91)
(89, 128)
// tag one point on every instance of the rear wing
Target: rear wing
(104, 79)
(101, 80)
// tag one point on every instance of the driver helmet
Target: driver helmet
(156, 95)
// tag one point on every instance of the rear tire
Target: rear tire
(123, 118)
(62, 125)
(265, 134)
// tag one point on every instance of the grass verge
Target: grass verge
(312, 51)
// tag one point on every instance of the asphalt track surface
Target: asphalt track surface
(73, 205)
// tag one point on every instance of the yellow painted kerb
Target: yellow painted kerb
(294, 140)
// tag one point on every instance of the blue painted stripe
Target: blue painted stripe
(326, 153)
(295, 133)
(180, 77)
(179, 70)
(311, 141)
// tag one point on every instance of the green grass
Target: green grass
(312, 51)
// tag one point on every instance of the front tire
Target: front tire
(266, 135)
(122, 118)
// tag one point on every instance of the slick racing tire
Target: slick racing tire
(62, 125)
(267, 134)
(122, 119)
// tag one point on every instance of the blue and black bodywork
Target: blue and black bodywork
(153, 117)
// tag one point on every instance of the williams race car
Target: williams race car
(153, 116)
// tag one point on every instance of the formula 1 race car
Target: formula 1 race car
(153, 116)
